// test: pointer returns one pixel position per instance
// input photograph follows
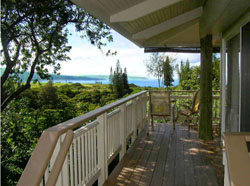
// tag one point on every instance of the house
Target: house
(191, 26)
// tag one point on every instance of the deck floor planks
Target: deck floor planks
(165, 158)
(179, 164)
(188, 159)
(149, 169)
(140, 168)
(169, 173)
(162, 157)
(199, 167)
(207, 167)
(124, 176)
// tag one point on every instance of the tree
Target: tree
(125, 81)
(118, 86)
(168, 71)
(119, 81)
(34, 38)
(111, 79)
(154, 66)
(189, 77)
(216, 73)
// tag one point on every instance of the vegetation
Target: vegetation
(39, 108)
(34, 37)
(161, 67)
(189, 77)
(119, 81)
(168, 71)
(45, 105)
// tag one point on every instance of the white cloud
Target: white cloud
(88, 59)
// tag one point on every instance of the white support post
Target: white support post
(134, 118)
(223, 87)
(102, 147)
(123, 129)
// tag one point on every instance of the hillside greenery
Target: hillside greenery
(38, 108)
(47, 104)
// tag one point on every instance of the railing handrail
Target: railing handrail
(43, 151)
(75, 122)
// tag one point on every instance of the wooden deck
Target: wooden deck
(164, 158)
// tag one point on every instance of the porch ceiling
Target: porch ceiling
(167, 23)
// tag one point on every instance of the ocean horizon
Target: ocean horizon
(138, 82)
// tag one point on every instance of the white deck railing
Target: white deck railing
(78, 152)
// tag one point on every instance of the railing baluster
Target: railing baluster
(71, 165)
(83, 161)
(89, 155)
(75, 162)
(79, 159)
(86, 156)
(102, 147)
(122, 122)
(65, 171)
(92, 150)
(134, 115)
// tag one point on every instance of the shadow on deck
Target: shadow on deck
(165, 158)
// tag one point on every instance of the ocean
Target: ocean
(138, 82)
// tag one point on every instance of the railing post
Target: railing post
(134, 117)
(102, 147)
(123, 129)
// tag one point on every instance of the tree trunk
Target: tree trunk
(205, 127)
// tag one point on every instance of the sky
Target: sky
(87, 59)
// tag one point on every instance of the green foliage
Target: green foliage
(189, 77)
(216, 73)
(161, 67)
(34, 37)
(154, 66)
(37, 109)
(119, 81)
(168, 71)
(19, 134)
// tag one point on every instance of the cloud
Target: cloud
(88, 59)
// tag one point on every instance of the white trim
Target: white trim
(223, 86)
(169, 24)
(240, 59)
(141, 9)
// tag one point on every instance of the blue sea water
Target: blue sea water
(138, 82)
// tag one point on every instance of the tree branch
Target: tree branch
(9, 62)
(14, 95)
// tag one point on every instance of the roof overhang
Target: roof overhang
(169, 24)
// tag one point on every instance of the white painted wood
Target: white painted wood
(122, 122)
(129, 119)
(82, 160)
(141, 9)
(79, 166)
(65, 171)
(75, 162)
(223, 86)
(169, 24)
(79, 160)
(71, 165)
(86, 157)
(89, 156)
(54, 177)
(101, 146)
(134, 118)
